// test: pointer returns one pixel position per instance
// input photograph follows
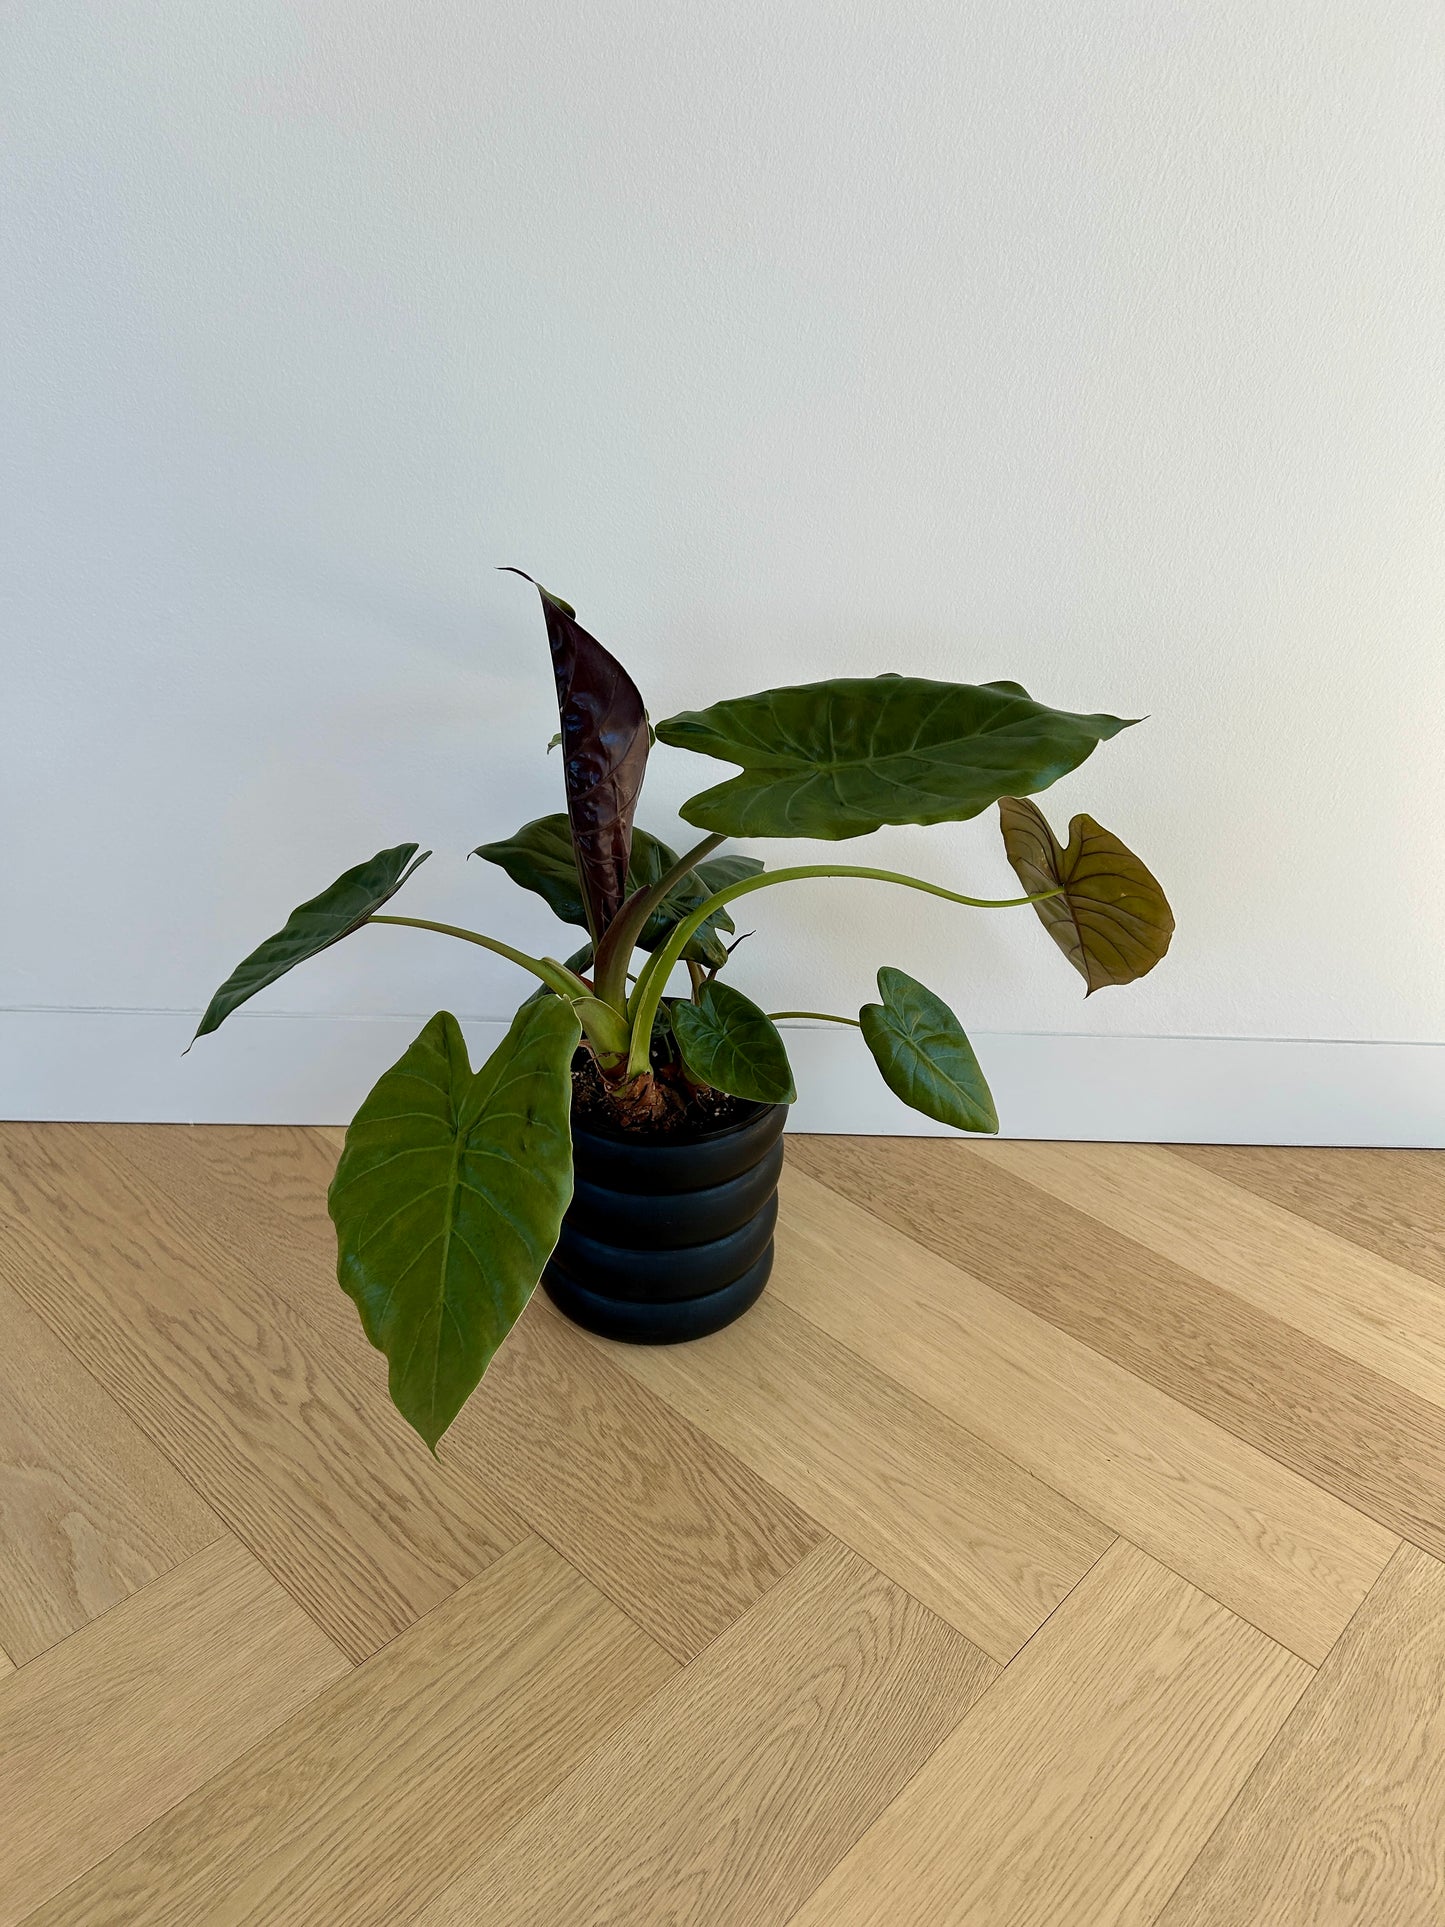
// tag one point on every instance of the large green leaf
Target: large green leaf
(539, 857)
(448, 1200)
(728, 1043)
(924, 1054)
(1112, 921)
(315, 926)
(838, 759)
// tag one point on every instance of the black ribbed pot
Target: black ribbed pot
(673, 1240)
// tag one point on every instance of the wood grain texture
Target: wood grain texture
(1081, 1786)
(89, 1510)
(1344, 1820)
(662, 1519)
(363, 1806)
(104, 1732)
(725, 1800)
(1272, 1547)
(199, 1341)
(1388, 1202)
(1375, 1444)
(1375, 1312)
(968, 1532)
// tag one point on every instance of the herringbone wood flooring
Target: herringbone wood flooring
(1061, 1541)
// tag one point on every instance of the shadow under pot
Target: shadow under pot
(671, 1240)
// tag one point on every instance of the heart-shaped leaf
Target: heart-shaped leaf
(448, 1200)
(539, 858)
(924, 1054)
(1112, 921)
(838, 759)
(731, 1045)
(314, 926)
(605, 738)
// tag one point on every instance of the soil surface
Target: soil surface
(682, 1107)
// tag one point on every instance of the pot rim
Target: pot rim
(677, 1140)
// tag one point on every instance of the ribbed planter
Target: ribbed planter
(663, 1242)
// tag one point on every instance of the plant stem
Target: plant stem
(556, 976)
(697, 977)
(609, 974)
(823, 1016)
(642, 1006)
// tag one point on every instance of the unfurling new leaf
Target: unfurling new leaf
(449, 1198)
(1111, 919)
(604, 753)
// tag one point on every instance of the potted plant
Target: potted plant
(623, 1143)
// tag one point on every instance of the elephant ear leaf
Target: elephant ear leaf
(924, 1054)
(449, 1198)
(604, 752)
(1111, 919)
(838, 759)
(728, 1043)
(312, 927)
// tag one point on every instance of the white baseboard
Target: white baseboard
(264, 1068)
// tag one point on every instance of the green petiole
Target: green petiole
(555, 975)
(642, 1005)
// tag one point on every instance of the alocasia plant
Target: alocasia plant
(450, 1192)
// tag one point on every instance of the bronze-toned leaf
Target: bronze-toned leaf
(604, 753)
(1112, 920)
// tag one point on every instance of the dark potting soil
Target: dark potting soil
(687, 1108)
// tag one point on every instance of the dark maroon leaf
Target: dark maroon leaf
(604, 750)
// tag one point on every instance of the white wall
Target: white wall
(1097, 343)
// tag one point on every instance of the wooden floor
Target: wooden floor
(1060, 1541)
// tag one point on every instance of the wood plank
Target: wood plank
(1271, 1546)
(89, 1510)
(365, 1804)
(657, 1517)
(1084, 1783)
(1373, 1443)
(1344, 1818)
(1391, 1202)
(662, 1519)
(744, 1779)
(104, 1732)
(979, 1540)
(1313, 1280)
(683, 1535)
(201, 1345)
